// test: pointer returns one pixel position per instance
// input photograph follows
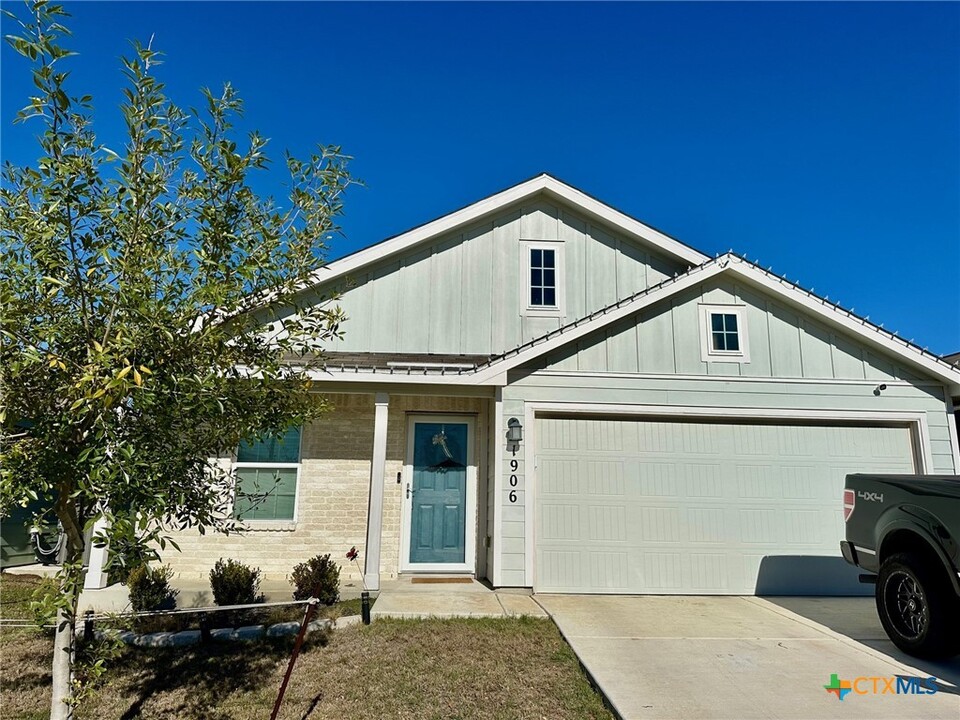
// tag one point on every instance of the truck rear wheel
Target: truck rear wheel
(917, 606)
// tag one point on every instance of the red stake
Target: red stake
(308, 613)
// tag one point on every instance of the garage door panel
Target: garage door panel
(609, 570)
(559, 522)
(561, 476)
(659, 571)
(697, 507)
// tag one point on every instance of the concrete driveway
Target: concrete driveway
(744, 657)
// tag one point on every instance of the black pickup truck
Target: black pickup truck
(904, 531)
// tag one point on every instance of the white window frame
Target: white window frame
(264, 523)
(526, 308)
(707, 352)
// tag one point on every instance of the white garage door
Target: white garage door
(639, 506)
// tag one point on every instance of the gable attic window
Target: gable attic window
(541, 279)
(268, 474)
(723, 334)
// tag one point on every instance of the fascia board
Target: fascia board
(476, 211)
(838, 317)
(575, 332)
(386, 377)
(730, 264)
(625, 223)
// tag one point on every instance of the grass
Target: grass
(465, 668)
(16, 591)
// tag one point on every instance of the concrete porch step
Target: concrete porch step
(401, 598)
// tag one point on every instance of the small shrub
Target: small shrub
(318, 577)
(234, 583)
(150, 588)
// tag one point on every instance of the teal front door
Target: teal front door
(438, 500)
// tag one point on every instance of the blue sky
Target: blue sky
(821, 138)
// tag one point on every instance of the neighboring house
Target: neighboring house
(16, 545)
(676, 423)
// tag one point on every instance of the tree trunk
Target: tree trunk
(71, 580)
(62, 667)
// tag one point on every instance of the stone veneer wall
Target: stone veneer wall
(332, 503)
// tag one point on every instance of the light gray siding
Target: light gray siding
(653, 358)
(512, 540)
(705, 393)
(666, 337)
(465, 292)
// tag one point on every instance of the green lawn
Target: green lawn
(467, 668)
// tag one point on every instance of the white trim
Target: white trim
(707, 352)
(403, 378)
(733, 265)
(378, 463)
(627, 224)
(281, 466)
(498, 460)
(860, 548)
(575, 332)
(845, 320)
(542, 183)
(470, 510)
(737, 378)
(952, 432)
(415, 365)
(529, 495)
(560, 279)
(96, 577)
(921, 438)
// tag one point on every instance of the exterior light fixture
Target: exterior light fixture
(514, 435)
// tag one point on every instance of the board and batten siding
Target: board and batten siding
(705, 393)
(465, 293)
(665, 339)
(511, 545)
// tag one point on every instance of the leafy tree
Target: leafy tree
(150, 305)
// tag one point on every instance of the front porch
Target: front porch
(357, 479)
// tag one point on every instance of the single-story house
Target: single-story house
(541, 391)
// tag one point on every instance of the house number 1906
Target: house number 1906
(512, 495)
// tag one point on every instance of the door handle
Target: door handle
(408, 491)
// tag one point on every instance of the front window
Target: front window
(543, 278)
(267, 471)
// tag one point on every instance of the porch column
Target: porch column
(96, 576)
(371, 571)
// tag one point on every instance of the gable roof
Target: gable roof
(543, 183)
(729, 264)
(494, 370)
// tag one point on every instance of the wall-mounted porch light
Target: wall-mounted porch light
(514, 435)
